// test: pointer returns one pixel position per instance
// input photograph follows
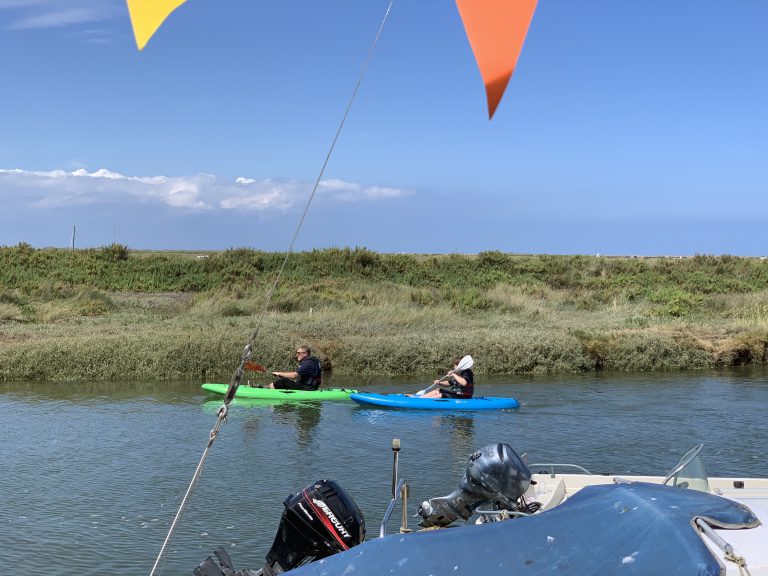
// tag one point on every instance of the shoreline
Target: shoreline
(207, 351)
(110, 313)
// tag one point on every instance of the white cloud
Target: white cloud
(6, 4)
(39, 14)
(56, 19)
(203, 192)
(352, 192)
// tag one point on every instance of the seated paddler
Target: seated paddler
(457, 383)
(307, 375)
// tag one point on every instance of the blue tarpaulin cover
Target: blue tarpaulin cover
(625, 529)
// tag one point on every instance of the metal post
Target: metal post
(404, 499)
(395, 452)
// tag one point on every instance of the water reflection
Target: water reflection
(168, 391)
(304, 416)
(255, 412)
(456, 431)
(461, 431)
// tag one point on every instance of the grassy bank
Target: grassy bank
(115, 313)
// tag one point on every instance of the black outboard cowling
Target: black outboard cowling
(495, 473)
(320, 520)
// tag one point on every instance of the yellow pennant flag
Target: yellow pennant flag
(148, 15)
(496, 30)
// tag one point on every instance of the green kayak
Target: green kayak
(269, 394)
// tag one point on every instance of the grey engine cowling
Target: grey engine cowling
(495, 473)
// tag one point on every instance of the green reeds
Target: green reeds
(113, 313)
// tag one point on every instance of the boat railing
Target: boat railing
(495, 515)
(399, 492)
(551, 467)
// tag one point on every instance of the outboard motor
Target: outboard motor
(495, 473)
(319, 521)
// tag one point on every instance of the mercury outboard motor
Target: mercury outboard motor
(495, 473)
(317, 522)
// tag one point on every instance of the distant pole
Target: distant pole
(114, 233)
(72, 245)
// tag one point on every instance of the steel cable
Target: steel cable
(248, 350)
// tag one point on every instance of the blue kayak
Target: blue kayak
(416, 402)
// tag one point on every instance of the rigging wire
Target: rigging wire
(318, 179)
(247, 351)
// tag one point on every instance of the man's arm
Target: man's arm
(291, 375)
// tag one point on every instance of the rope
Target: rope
(740, 561)
(213, 434)
(729, 552)
(237, 376)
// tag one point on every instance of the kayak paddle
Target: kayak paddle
(464, 364)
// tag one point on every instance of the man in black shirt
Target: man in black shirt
(306, 377)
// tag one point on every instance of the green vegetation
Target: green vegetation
(115, 313)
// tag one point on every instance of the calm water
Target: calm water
(92, 475)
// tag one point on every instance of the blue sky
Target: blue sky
(628, 128)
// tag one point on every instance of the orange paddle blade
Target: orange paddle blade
(496, 31)
(253, 367)
(148, 15)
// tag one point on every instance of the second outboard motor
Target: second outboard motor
(320, 520)
(495, 473)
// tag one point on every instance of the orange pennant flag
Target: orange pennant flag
(148, 15)
(496, 30)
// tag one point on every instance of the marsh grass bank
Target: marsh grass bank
(115, 313)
